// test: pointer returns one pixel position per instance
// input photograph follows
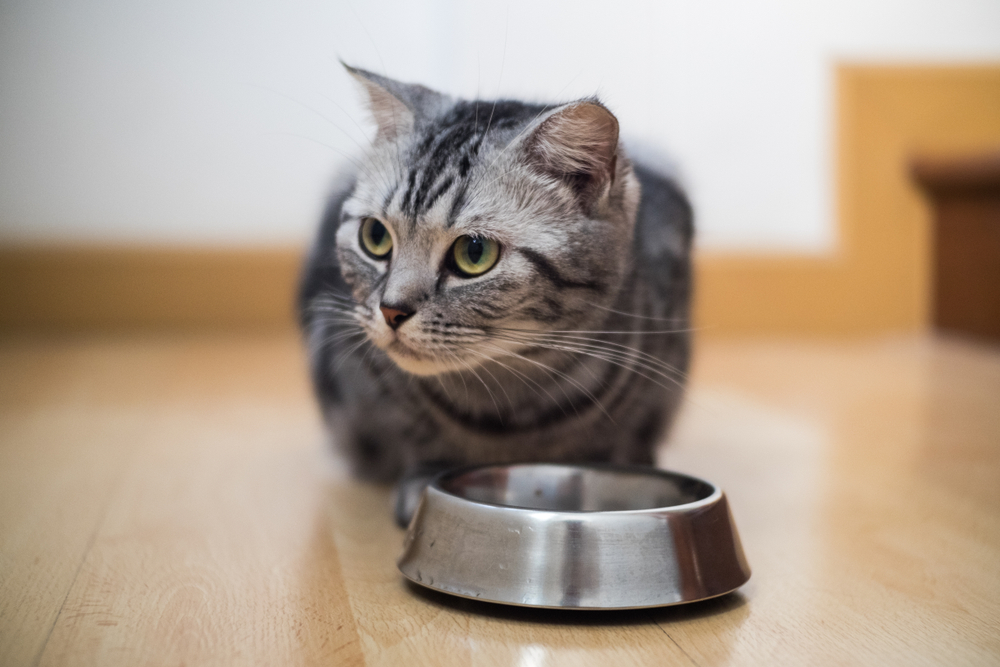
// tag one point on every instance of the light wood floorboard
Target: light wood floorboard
(170, 499)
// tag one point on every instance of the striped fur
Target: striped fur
(572, 348)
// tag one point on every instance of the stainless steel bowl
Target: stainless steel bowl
(578, 537)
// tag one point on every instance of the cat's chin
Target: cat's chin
(416, 364)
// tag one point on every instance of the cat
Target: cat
(496, 281)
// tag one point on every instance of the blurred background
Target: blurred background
(212, 125)
(166, 489)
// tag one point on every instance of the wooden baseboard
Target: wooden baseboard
(143, 288)
(877, 281)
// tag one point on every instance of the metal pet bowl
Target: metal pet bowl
(578, 537)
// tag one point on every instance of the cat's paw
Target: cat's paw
(410, 489)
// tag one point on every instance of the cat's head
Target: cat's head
(474, 226)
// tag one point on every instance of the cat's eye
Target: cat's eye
(474, 255)
(375, 238)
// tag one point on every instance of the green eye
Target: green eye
(375, 238)
(474, 256)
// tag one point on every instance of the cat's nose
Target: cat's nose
(395, 315)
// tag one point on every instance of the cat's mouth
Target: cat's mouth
(399, 348)
(418, 363)
(410, 360)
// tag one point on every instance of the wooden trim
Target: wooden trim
(977, 174)
(965, 194)
(129, 288)
(878, 280)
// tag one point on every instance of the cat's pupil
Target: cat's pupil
(378, 233)
(475, 251)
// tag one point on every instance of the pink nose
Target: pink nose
(395, 315)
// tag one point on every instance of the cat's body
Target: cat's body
(570, 347)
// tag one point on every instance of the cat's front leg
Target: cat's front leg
(410, 488)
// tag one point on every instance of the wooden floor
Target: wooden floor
(169, 500)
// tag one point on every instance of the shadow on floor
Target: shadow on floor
(734, 602)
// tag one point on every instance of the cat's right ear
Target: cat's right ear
(396, 107)
(578, 143)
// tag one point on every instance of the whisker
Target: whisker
(385, 72)
(461, 375)
(366, 361)
(337, 337)
(502, 388)
(622, 332)
(503, 61)
(643, 359)
(599, 344)
(638, 317)
(608, 357)
(347, 156)
(523, 377)
(492, 398)
(444, 389)
(332, 306)
(371, 142)
(565, 376)
(336, 299)
(344, 355)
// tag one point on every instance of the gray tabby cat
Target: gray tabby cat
(497, 281)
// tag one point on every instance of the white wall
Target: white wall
(215, 122)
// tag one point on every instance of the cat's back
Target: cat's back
(664, 228)
(322, 270)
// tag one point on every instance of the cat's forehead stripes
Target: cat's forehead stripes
(446, 150)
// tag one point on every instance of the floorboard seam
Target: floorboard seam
(679, 647)
(69, 589)
(98, 525)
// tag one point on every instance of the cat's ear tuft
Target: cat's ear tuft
(396, 107)
(393, 118)
(579, 144)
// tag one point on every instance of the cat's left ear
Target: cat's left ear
(397, 107)
(578, 144)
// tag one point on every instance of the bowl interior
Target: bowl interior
(575, 489)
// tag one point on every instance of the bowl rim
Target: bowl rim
(715, 495)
